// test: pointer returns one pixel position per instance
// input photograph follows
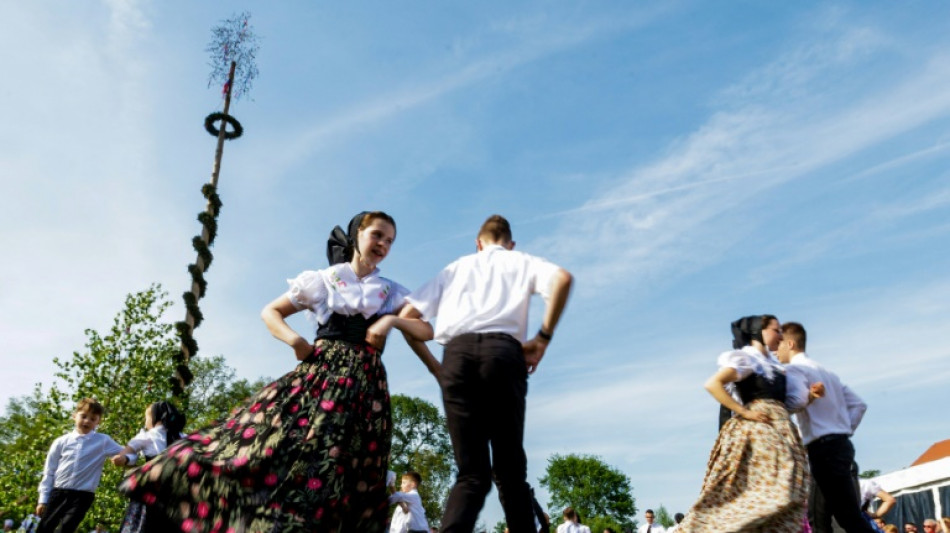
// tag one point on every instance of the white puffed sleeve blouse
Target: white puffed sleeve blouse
(338, 289)
(749, 360)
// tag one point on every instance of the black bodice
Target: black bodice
(757, 387)
(346, 328)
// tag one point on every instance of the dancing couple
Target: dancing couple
(310, 451)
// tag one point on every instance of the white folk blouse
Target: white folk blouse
(338, 289)
(748, 361)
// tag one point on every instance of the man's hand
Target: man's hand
(41, 509)
(120, 460)
(533, 352)
(377, 333)
(817, 390)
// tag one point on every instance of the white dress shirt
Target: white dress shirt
(749, 360)
(837, 413)
(414, 519)
(654, 528)
(338, 289)
(75, 462)
(149, 442)
(485, 292)
(572, 527)
(869, 490)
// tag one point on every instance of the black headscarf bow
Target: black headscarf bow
(340, 245)
(170, 417)
(745, 330)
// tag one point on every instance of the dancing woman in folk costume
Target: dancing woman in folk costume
(757, 476)
(310, 451)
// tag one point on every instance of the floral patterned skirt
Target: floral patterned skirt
(309, 452)
(756, 480)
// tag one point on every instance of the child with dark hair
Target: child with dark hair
(163, 426)
(73, 469)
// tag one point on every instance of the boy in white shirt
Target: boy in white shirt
(73, 469)
(409, 517)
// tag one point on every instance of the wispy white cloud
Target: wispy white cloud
(533, 38)
(676, 209)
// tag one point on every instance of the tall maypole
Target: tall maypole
(233, 48)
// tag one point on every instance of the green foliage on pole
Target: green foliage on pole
(421, 443)
(600, 493)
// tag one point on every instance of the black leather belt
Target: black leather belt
(830, 438)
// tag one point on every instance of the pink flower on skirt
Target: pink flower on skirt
(327, 405)
(294, 408)
(319, 514)
(194, 436)
(268, 452)
(203, 509)
(314, 483)
(248, 433)
(193, 470)
(349, 382)
(187, 525)
(372, 446)
(303, 422)
(270, 479)
(240, 460)
(148, 498)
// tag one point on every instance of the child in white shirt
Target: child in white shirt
(73, 469)
(409, 516)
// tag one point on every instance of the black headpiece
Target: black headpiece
(171, 419)
(745, 330)
(340, 245)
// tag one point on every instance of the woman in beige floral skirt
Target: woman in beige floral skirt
(757, 476)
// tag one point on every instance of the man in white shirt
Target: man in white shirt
(650, 527)
(677, 518)
(826, 426)
(481, 301)
(409, 516)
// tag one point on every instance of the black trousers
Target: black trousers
(831, 460)
(484, 385)
(66, 508)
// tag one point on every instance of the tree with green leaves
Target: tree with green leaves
(663, 517)
(421, 443)
(125, 369)
(600, 493)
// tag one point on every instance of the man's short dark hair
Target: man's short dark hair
(415, 476)
(795, 332)
(495, 229)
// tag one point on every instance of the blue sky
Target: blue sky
(689, 162)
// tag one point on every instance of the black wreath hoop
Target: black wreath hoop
(236, 129)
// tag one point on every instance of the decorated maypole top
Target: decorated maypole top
(233, 48)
